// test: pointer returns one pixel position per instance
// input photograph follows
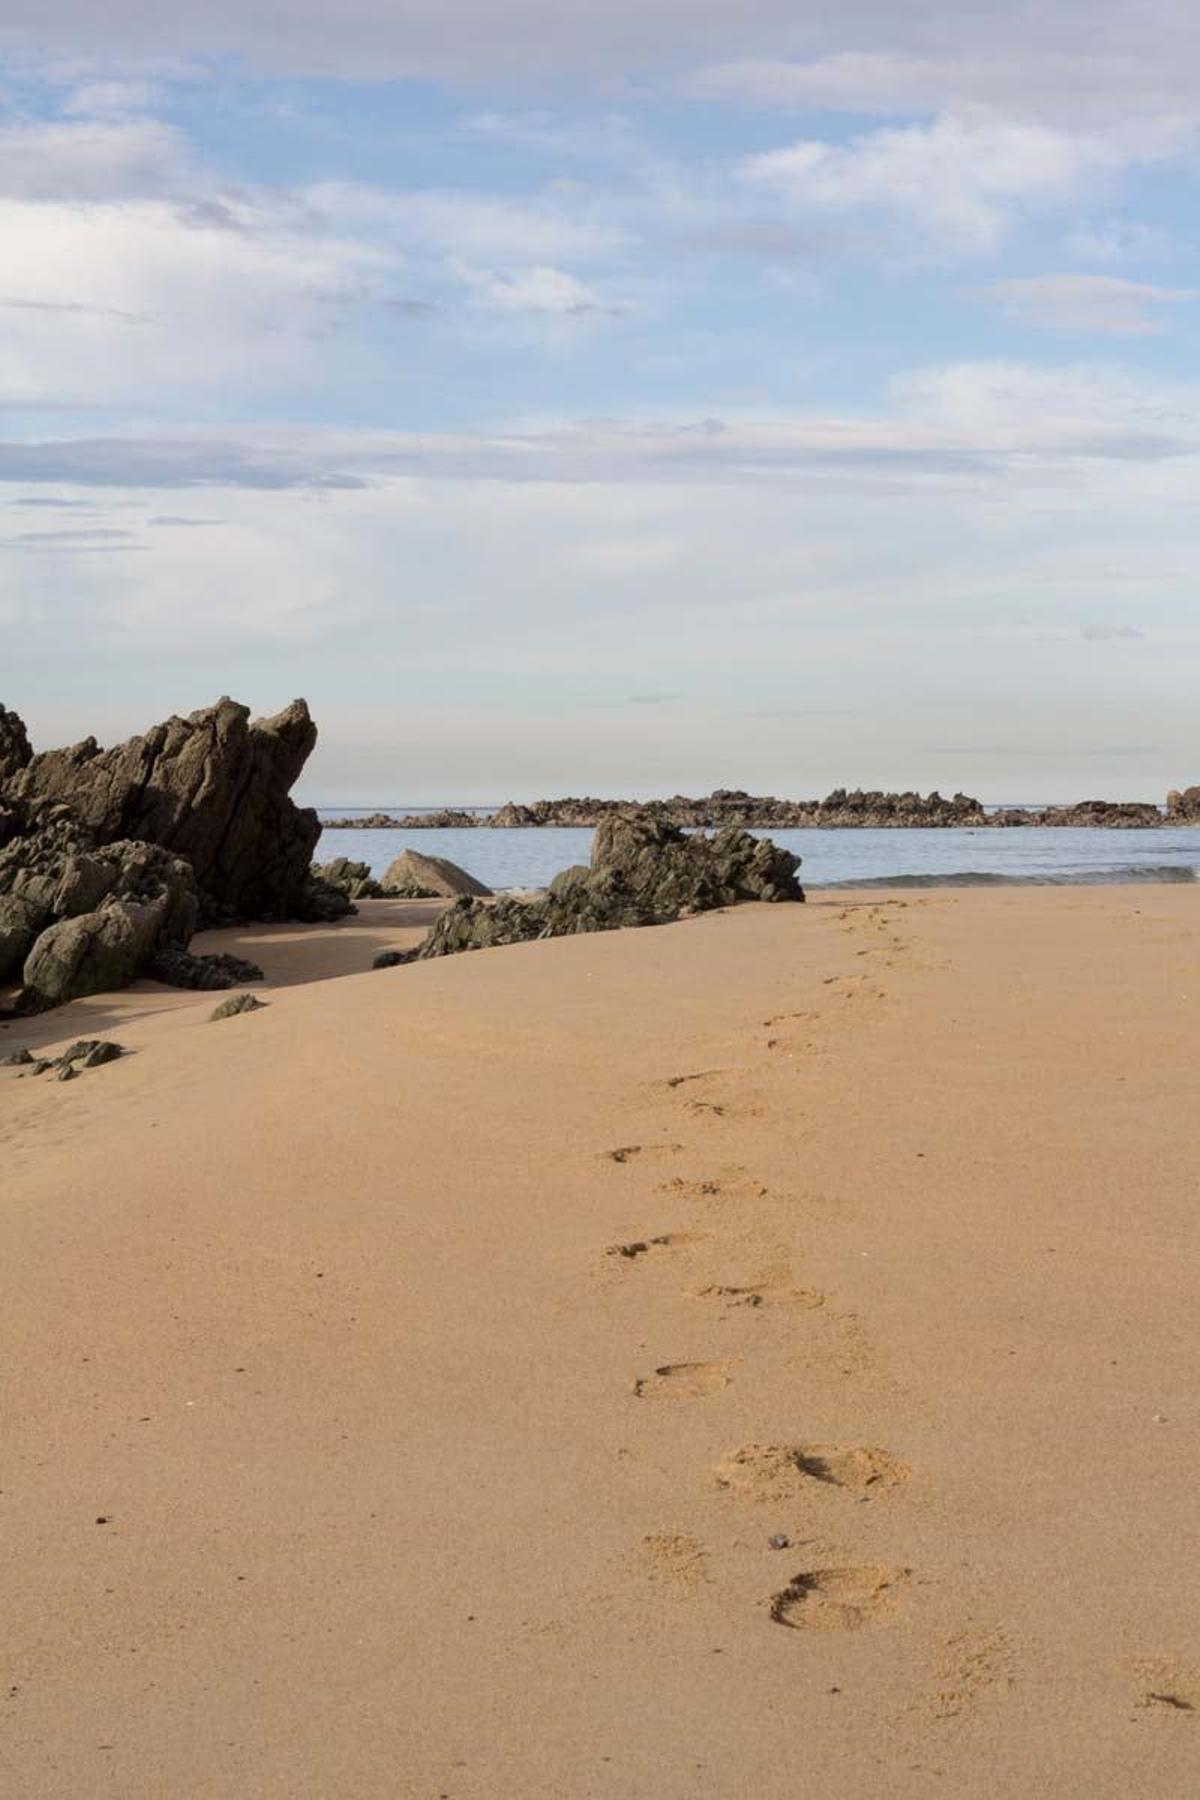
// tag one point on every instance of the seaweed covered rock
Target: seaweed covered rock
(415, 877)
(643, 872)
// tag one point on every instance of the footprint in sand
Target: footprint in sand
(627, 1152)
(682, 1381)
(666, 1240)
(1165, 1687)
(761, 1293)
(975, 1664)
(777, 1472)
(837, 1599)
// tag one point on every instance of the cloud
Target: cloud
(95, 161)
(962, 180)
(540, 289)
(1087, 303)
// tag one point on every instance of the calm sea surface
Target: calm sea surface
(528, 859)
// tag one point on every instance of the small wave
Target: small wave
(1115, 876)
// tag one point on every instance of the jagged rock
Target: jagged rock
(212, 787)
(1109, 815)
(240, 1003)
(673, 872)
(415, 877)
(642, 873)
(352, 878)
(15, 1058)
(181, 969)
(1183, 808)
(446, 818)
(15, 749)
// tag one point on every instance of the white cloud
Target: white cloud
(961, 179)
(540, 289)
(93, 161)
(1088, 303)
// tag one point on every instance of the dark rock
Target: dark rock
(15, 749)
(240, 1003)
(213, 788)
(90, 1053)
(14, 1058)
(446, 818)
(181, 969)
(392, 959)
(66, 1072)
(96, 913)
(320, 903)
(354, 879)
(415, 877)
(642, 873)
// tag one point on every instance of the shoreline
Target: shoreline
(408, 1381)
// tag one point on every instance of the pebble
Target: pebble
(780, 1541)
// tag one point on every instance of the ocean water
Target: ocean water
(1023, 854)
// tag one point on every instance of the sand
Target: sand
(755, 1357)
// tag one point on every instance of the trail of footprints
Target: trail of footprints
(825, 1598)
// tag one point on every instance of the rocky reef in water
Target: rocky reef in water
(842, 810)
(642, 872)
(110, 859)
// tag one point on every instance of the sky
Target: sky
(623, 399)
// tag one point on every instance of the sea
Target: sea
(1030, 855)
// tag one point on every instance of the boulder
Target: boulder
(124, 900)
(94, 953)
(1183, 808)
(212, 787)
(643, 872)
(240, 1003)
(415, 877)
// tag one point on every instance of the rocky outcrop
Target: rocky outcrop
(354, 879)
(1183, 808)
(15, 751)
(642, 873)
(212, 788)
(77, 917)
(180, 969)
(446, 818)
(1109, 815)
(415, 877)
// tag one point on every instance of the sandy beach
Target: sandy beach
(404, 1384)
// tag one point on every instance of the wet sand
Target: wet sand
(403, 1385)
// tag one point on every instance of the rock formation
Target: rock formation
(354, 879)
(14, 746)
(1183, 808)
(110, 858)
(642, 873)
(415, 877)
(213, 788)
